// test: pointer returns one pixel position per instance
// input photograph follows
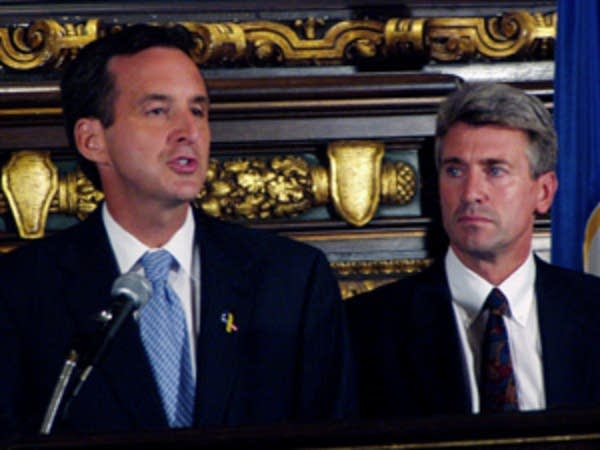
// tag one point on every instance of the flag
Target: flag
(577, 119)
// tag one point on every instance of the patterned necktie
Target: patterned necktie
(497, 385)
(164, 334)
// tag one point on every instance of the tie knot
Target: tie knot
(157, 265)
(496, 302)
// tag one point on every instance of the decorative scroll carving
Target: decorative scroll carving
(510, 36)
(43, 43)
(346, 41)
(242, 188)
(222, 42)
(312, 41)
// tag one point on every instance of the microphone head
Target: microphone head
(134, 286)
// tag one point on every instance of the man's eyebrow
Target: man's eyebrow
(154, 97)
(452, 160)
(164, 98)
(200, 99)
(494, 161)
(485, 161)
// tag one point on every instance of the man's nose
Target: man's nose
(187, 127)
(474, 187)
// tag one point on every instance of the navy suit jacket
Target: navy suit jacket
(409, 352)
(289, 360)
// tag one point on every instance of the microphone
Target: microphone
(131, 292)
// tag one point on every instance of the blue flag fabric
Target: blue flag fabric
(577, 118)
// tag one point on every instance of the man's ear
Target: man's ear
(548, 184)
(90, 139)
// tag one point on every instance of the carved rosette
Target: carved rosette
(310, 41)
(356, 182)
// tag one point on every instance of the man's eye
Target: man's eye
(496, 170)
(156, 111)
(198, 112)
(453, 171)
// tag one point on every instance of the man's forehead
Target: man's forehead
(138, 78)
(482, 160)
(153, 56)
(199, 98)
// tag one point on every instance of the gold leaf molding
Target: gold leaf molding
(250, 188)
(309, 42)
(357, 277)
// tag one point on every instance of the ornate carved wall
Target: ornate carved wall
(322, 118)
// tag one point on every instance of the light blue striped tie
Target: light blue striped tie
(165, 337)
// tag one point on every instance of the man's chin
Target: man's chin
(476, 249)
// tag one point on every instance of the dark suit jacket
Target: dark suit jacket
(408, 348)
(288, 361)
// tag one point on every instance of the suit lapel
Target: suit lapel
(90, 263)
(561, 332)
(437, 352)
(227, 271)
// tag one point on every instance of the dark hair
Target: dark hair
(87, 87)
(501, 104)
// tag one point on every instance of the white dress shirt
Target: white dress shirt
(469, 292)
(183, 280)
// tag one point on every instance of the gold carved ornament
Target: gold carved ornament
(284, 186)
(44, 42)
(310, 42)
(264, 42)
(357, 277)
(510, 36)
(241, 188)
(32, 188)
(29, 182)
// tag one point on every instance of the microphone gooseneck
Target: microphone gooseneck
(131, 291)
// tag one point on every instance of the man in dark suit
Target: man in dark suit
(261, 337)
(422, 342)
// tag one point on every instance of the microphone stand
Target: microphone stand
(76, 356)
(59, 390)
(132, 291)
(72, 360)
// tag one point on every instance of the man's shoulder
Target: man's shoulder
(252, 241)
(428, 282)
(561, 278)
(52, 243)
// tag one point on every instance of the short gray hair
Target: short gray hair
(501, 104)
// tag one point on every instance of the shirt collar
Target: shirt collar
(128, 249)
(469, 290)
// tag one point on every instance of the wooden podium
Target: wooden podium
(564, 429)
